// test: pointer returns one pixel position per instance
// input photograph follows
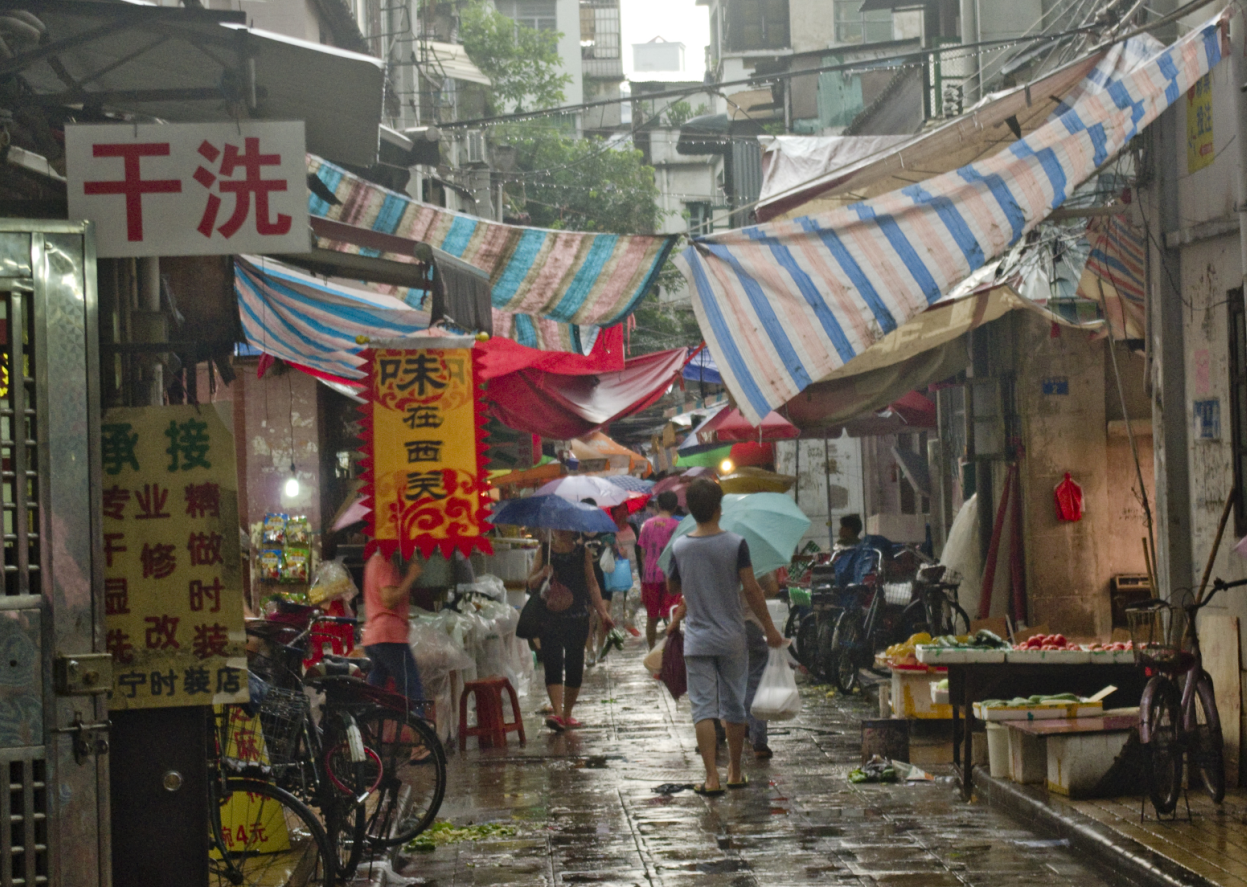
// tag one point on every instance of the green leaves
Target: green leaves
(522, 62)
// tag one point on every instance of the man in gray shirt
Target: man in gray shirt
(710, 566)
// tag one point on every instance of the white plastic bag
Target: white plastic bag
(777, 698)
(653, 659)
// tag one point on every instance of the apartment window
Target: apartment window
(1237, 323)
(541, 15)
(757, 24)
(855, 26)
(699, 218)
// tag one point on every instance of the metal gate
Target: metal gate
(53, 717)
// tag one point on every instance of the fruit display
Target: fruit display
(905, 653)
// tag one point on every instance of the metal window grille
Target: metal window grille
(24, 824)
(19, 457)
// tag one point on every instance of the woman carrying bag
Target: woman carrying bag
(569, 588)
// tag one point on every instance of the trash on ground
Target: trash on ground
(877, 769)
(671, 788)
(442, 833)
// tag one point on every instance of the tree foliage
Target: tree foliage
(580, 184)
(522, 62)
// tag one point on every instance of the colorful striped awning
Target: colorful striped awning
(566, 276)
(306, 321)
(782, 305)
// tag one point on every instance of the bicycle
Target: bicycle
(934, 608)
(1177, 725)
(407, 769)
(258, 833)
(327, 764)
(869, 620)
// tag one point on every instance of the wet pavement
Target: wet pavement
(585, 812)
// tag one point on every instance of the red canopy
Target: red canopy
(566, 406)
(729, 425)
(499, 356)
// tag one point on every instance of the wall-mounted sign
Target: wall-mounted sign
(1208, 419)
(424, 441)
(172, 584)
(1056, 385)
(1199, 149)
(187, 189)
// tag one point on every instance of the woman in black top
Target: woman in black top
(563, 634)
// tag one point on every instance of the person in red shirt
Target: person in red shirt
(385, 628)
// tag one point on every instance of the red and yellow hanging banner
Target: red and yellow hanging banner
(424, 452)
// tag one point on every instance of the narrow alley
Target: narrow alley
(584, 808)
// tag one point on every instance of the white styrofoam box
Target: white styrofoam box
(1076, 762)
(939, 695)
(933, 655)
(998, 751)
(1040, 711)
(911, 695)
(1028, 759)
(1049, 657)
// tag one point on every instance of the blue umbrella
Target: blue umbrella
(553, 513)
(630, 483)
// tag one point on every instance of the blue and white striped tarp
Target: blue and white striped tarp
(302, 320)
(783, 304)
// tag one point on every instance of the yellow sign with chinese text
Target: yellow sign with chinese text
(424, 439)
(1199, 149)
(172, 583)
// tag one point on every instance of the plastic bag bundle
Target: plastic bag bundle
(490, 586)
(777, 698)
(436, 652)
(330, 582)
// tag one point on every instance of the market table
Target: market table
(971, 682)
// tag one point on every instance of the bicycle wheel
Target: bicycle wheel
(845, 643)
(1207, 744)
(345, 832)
(825, 652)
(807, 642)
(260, 834)
(413, 780)
(955, 619)
(1164, 752)
(913, 620)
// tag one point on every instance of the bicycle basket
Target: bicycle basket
(1156, 634)
(898, 594)
(282, 715)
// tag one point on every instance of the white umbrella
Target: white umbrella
(577, 488)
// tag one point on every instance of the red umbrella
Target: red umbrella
(730, 425)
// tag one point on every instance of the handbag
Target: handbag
(529, 625)
(557, 596)
(673, 673)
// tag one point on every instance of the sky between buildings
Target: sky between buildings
(678, 21)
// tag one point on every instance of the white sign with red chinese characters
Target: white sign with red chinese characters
(187, 189)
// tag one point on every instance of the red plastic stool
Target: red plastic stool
(491, 730)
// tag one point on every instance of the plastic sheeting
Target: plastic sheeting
(961, 554)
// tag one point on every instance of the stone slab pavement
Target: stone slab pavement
(585, 812)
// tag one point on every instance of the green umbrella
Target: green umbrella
(771, 523)
(708, 459)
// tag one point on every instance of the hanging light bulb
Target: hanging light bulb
(726, 466)
(292, 485)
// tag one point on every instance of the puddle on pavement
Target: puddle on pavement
(722, 866)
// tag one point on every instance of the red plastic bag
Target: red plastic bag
(1068, 500)
(673, 673)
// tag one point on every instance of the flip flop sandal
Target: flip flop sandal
(555, 724)
(700, 789)
(764, 753)
(742, 784)
(571, 723)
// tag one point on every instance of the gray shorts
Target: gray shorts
(716, 687)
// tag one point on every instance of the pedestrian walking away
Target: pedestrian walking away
(711, 568)
(386, 596)
(758, 657)
(655, 534)
(565, 626)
